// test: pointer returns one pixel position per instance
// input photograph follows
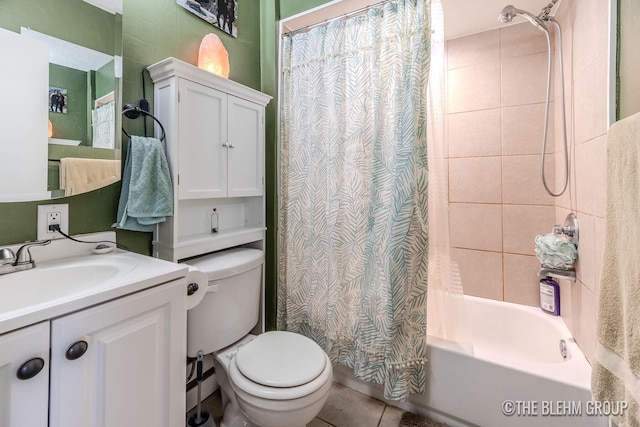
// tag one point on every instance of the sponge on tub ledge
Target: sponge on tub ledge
(146, 197)
(616, 370)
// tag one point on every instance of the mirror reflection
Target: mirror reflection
(76, 143)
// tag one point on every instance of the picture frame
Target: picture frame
(58, 100)
(222, 14)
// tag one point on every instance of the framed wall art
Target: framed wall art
(222, 14)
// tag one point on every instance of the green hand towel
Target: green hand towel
(146, 197)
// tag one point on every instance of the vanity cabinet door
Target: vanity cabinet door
(24, 377)
(202, 150)
(121, 363)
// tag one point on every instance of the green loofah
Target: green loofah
(555, 252)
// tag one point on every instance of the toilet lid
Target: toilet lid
(281, 359)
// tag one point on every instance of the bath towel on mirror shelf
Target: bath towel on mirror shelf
(616, 369)
(146, 197)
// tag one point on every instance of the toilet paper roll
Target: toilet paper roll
(199, 278)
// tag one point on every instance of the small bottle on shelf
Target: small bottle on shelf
(214, 221)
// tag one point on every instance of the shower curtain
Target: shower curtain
(353, 194)
(103, 122)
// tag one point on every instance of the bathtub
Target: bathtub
(515, 375)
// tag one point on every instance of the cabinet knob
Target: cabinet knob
(192, 288)
(76, 350)
(30, 368)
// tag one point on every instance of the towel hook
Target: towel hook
(133, 112)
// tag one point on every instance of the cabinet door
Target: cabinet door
(24, 402)
(132, 373)
(202, 117)
(246, 148)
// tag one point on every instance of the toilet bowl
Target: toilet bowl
(275, 379)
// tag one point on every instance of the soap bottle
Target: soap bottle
(550, 296)
(214, 221)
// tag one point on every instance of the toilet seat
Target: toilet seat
(280, 358)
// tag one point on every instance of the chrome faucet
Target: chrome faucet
(22, 260)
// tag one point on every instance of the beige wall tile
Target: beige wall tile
(522, 223)
(521, 283)
(566, 306)
(568, 199)
(522, 182)
(585, 35)
(480, 272)
(584, 307)
(524, 80)
(474, 134)
(590, 165)
(521, 39)
(475, 226)
(475, 179)
(590, 92)
(473, 50)
(601, 97)
(473, 88)
(523, 129)
(585, 265)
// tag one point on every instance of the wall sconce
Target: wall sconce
(50, 129)
(213, 57)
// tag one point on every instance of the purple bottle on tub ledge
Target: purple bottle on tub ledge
(550, 296)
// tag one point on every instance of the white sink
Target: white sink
(58, 286)
(53, 280)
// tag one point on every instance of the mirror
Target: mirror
(62, 134)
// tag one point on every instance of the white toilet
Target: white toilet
(276, 379)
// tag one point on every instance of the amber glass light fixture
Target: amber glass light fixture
(212, 56)
(50, 129)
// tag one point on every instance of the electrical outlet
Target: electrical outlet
(57, 214)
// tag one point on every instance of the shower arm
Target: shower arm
(546, 121)
(544, 13)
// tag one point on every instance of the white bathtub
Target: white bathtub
(516, 365)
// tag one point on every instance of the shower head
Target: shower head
(509, 12)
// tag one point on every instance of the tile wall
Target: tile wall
(585, 28)
(496, 82)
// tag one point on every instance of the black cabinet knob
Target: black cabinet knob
(30, 368)
(192, 288)
(76, 350)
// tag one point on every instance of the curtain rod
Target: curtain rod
(356, 12)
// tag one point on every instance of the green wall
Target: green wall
(72, 124)
(152, 31)
(72, 20)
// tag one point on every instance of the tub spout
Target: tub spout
(563, 349)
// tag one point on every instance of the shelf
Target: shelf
(197, 244)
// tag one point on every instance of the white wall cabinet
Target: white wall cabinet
(215, 148)
(116, 364)
(24, 402)
(224, 141)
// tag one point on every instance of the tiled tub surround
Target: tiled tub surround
(496, 85)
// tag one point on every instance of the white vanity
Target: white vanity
(98, 338)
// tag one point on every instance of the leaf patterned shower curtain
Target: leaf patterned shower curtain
(353, 227)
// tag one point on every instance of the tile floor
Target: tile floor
(344, 408)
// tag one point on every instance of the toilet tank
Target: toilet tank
(231, 306)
